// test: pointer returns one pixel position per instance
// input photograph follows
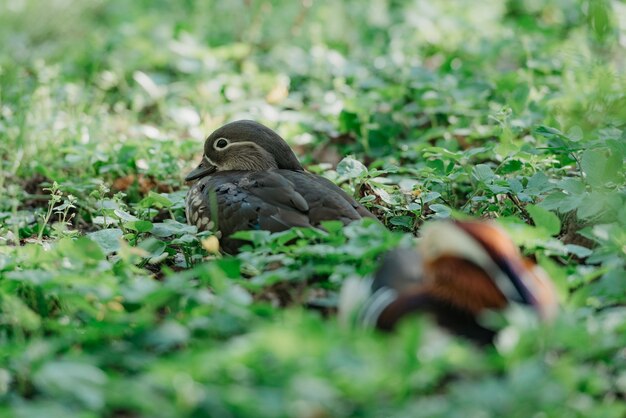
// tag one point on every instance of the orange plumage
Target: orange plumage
(459, 270)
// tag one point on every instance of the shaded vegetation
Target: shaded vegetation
(110, 305)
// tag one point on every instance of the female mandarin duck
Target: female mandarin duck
(249, 178)
(460, 270)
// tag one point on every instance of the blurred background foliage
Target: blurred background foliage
(502, 109)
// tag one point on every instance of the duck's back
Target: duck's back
(275, 200)
(326, 200)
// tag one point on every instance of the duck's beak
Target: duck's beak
(203, 169)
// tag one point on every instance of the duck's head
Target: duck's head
(244, 145)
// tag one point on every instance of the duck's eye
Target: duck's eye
(221, 143)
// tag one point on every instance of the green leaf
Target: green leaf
(600, 18)
(14, 312)
(124, 216)
(483, 173)
(169, 334)
(516, 186)
(561, 202)
(185, 239)
(32, 276)
(430, 196)
(441, 211)
(332, 227)
(519, 97)
(107, 239)
(572, 185)
(230, 266)
(153, 247)
(601, 166)
(155, 200)
(139, 226)
(538, 184)
(591, 205)
(545, 219)
(256, 237)
(556, 138)
(578, 250)
(71, 380)
(349, 122)
(82, 247)
(351, 168)
(170, 227)
(498, 189)
(510, 166)
(405, 221)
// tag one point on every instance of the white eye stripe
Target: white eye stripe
(232, 144)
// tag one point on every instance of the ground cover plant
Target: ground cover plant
(110, 305)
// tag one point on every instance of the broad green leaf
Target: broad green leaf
(155, 199)
(430, 196)
(153, 247)
(107, 239)
(72, 381)
(602, 166)
(15, 313)
(572, 185)
(516, 186)
(139, 226)
(170, 227)
(600, 15)
(405, 221)
(578, 251)
(167, 335)
(257, 237)
(545, 219)
(351, 168)
(349, 122)
(591, 205)
(82, 248)
(483, 173)
(561, 202)
(441, 211)
(31, 276)
(510, 166)
(185, 239)
(538, 183)
(498, 189)
(125, 216)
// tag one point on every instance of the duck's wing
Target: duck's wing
(329, 185)
(326, 200)
(232, 201)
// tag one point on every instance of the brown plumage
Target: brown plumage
(459, 271)
(249, 178)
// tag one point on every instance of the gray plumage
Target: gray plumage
(249, 178)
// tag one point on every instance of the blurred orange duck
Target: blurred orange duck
(459, 271)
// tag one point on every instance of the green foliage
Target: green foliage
(111, 305)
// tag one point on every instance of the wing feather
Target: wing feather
(276, 200)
